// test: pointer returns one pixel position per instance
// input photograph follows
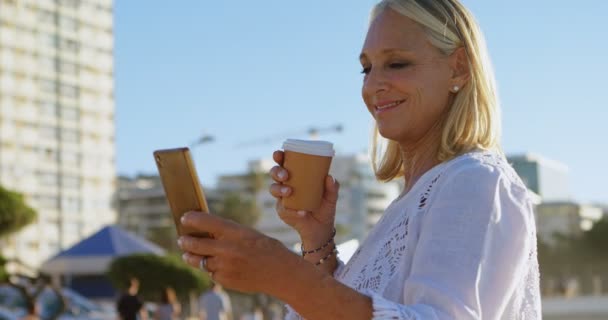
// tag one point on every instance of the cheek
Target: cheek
(367, 97)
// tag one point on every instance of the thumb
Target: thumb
(332, 186)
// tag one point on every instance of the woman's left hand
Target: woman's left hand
(238, 257)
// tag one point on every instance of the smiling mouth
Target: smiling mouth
(389, 105)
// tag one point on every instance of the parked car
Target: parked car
(49, 303)
(6, 314)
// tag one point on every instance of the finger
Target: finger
(278, 157)
(201, 246)
(332, 186)
(290, 216)
(192, 259)
(279, 174)
(220, 228)
(279, 190)
(211, 264)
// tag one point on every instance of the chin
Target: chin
(390, 133)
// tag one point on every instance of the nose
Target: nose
(375, 82)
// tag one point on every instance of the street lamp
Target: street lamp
(203, 139)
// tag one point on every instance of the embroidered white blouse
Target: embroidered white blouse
(461, 244)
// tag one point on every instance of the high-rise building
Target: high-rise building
(545, 177)
(57, 120)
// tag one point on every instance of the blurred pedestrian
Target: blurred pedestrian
(129, 305)
(169, 307)
(215, 304)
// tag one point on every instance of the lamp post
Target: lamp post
(203, 139)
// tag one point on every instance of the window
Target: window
(70, 135)
(68, 68)
(70, 228)
(48, 154)
(46, 17)
(67, 23)
(49, 40)
(48, 109)
(48, 202)
(48, 179)
(71, 182)
(71, 158)
(68, 91)
(48, 132)
(69, 45)
(70, 204)
(48, 86)
(47, 64)
(375, 195)
(70, 113)
(69, 3)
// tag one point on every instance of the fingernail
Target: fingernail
(184, 217)
(333, 179)
(284, 190)
(301, 213)
(180, 241)
(282, 174)
(185, 257)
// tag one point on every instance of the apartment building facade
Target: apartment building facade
(57, 135)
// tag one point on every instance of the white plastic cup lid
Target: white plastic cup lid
(313, 147)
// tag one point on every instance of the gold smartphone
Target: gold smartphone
(182, 187)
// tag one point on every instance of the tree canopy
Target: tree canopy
(155, 273)
(14, 212)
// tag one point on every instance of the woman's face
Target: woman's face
(407, 81)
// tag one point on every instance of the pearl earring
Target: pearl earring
(455, 89)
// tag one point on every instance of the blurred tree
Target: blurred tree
(14, 212)
(238, 208)
(165, 237)
(596, 239)
(256, 181)
(14, 215)
(3, 273)
(155, 273)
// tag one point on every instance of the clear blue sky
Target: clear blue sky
(242, 70)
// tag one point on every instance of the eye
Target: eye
(398, 65)
(366, 70)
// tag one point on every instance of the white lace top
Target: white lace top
(461, 244)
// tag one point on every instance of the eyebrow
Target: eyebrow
(386, 51)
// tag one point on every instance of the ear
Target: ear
(459, 63)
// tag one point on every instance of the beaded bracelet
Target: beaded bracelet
(331, 239)
(322, 260)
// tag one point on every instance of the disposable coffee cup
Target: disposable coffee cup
(307, 162)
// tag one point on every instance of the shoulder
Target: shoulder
(482, 166)
(482, 175)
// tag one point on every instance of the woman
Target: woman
(169, 307)
(458, 243)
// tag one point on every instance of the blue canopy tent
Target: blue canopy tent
(83, 266)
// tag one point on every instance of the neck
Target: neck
(420, 156)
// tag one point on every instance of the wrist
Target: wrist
(322, 256)
(326, 260)
(318, 244)
(317, 237)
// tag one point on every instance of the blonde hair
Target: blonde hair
(473, 120)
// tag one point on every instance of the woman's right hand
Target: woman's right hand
(315, 228)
